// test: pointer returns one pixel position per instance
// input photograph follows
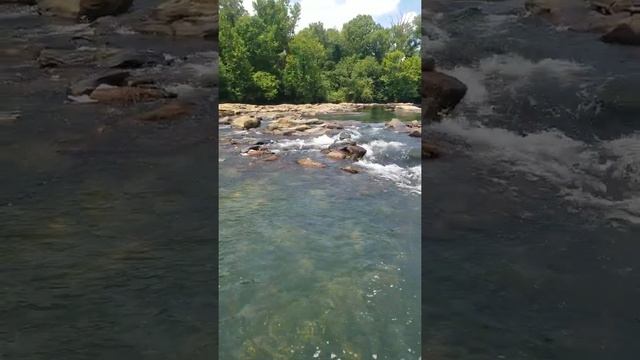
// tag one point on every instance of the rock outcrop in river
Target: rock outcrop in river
(615, 19)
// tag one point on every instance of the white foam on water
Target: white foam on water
(510, 72)
(406, 178)
(516, 66)
(379, 146)
(583, 172)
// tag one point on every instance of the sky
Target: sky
(334, 13)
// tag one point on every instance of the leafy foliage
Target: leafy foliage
(263, 60)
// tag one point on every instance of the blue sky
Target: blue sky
(334, 13)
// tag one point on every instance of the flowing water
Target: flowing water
(107, 226)
(320, 263)
(532, 223)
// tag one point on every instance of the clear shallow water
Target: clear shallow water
(315, 262)
(548, 136)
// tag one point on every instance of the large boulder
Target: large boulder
(624, 34)
(441, 93)
(92, 9)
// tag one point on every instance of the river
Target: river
(532, 218)
(317, 262)
(107, 225)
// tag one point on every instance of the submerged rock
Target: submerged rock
(170, 111)
(127, 94)
(429, 151)
(309, 163)
(350, 169)
(337, 155)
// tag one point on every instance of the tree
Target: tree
(303, 75)
(401, 76)
(363, 37)
(235, 68)
(262, 60)
(266, 86)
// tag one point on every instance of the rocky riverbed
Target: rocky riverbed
(108, 116)
(269, 132)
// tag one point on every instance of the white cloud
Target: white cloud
(248, 4)
(334, 13)
(409, 16)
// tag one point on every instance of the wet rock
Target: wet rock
(257, 152)
(288, 125)
(170, 111)
(127, 59)
(337, 154)
(225, 120)
(333, 126)
(624, 34)
(101, 57)
(86, 86)
(350, 169)
(411, 109)
(63, 57)
(396, 125)
(7, 118)
(429, 151)
(588, 16)
(127, 94)
(94, 9)
(245, 122)
(271, 157)
(354, 152)
(416, 133)
(441, 93)
(309, 163)
(195, 18)
(91, 9)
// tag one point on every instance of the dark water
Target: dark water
(532, 225)
(106, 225)
(319, 263)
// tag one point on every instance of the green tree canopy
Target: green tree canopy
(263, 60)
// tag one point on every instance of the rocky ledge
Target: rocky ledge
(617, 20)
(288, 120)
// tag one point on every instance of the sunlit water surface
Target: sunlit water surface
(320, 263)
